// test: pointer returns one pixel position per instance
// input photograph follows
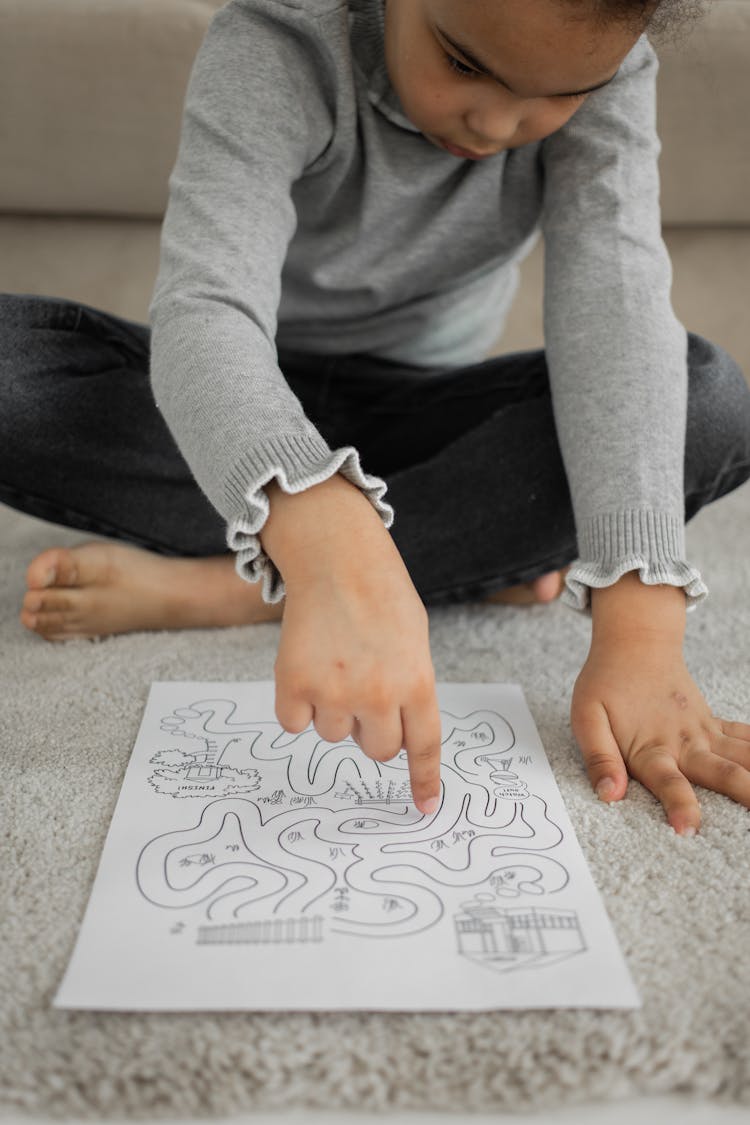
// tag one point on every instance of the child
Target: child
(355, 185)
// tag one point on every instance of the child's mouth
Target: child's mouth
(464, 153)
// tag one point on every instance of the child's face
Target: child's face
(527, 43)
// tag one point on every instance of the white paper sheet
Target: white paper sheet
(249, 868)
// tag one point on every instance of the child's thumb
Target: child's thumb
(601, 754)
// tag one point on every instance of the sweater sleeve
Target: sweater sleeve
(616, 353)
(255, 118)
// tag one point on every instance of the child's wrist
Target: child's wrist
(630, 609)
(319, 527)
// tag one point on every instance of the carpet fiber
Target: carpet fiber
(680, 907)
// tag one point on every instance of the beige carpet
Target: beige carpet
(681, 908)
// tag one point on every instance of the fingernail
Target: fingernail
(50, 576)
(605, 788)
(430, 806)
(688, 831)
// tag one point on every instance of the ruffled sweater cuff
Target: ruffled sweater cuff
(297, 461)
(610, 545)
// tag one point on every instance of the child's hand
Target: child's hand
(354, 654)
(635, 705)
(354, 657)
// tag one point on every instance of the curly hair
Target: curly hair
(663, 19)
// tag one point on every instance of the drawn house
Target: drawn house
(206, 766)
(204, 772)
(507, 938)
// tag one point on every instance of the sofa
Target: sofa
(91, 95)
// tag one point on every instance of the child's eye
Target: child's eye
(459, 68)
(466, 72)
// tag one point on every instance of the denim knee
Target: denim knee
(717, 446)
(20, 315)
(17, 416)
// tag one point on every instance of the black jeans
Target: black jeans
(462, 449)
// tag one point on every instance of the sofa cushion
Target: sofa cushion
(111, 263)
(703, 99)
(91, 95)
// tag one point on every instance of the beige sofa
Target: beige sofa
(91, 98)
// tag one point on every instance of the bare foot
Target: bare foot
(547, 588)
(102, 588)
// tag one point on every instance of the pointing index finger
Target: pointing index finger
(423, 743)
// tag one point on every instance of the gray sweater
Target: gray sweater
(306, 210)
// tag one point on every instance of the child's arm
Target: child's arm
(258, 116)
(616, 352)
(355, 633)
(617, 360)
(636, 706)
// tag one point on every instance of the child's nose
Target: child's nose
(494, 123)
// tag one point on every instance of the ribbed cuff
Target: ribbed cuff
(297, 461)
(653, 543)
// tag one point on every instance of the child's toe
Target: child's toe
(48, 625)
(48, 601)
(548, 587)
(56, 566)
